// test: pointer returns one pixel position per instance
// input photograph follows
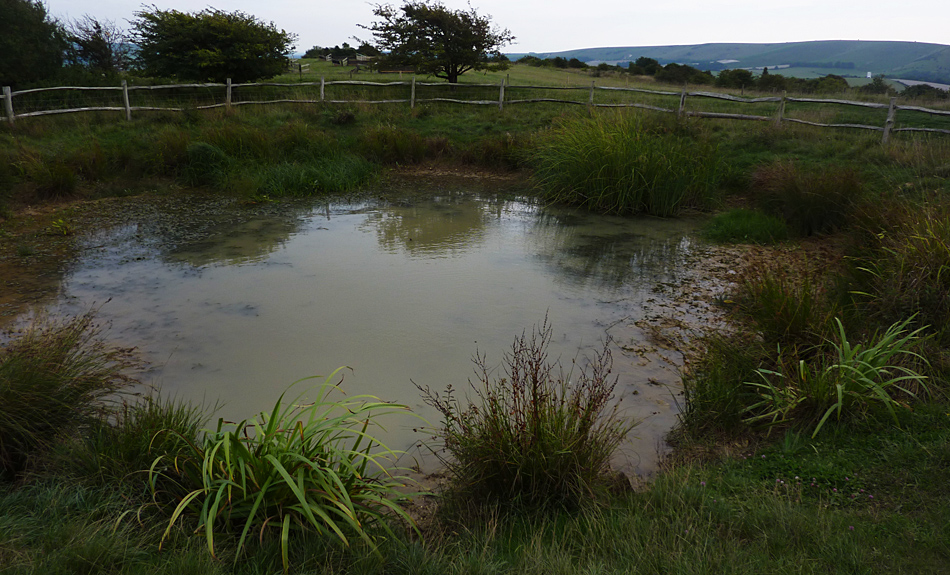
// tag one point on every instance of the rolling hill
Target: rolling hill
(907, 60)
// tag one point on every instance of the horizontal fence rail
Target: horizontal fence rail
(507, 94)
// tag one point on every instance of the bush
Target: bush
(745, 226)
(55, 378)
(811, 202)
(341, 173)
(620, 164)
(306, 466)
(537, 437)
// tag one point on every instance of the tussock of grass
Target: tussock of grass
(535, 438)
(622, 164)
(55, 378)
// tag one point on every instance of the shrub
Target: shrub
(619, 164)
(745, 226)
(303, 467)
(537, 437)
(55, 378)
(390, 145)
(53, 179)
(811, 202)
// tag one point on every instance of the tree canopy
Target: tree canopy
(98, 45)
(432, 39)
(209, 45)
(31, 43)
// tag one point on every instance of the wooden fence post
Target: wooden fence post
(8, 104)
(227, 95)
(781, 110)
(322, 84)
(679, 113)
(889, 124)
(125, 100)
(590, 99)
(412, 93)
(501, 96)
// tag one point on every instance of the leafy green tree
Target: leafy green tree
(209, 45)
(649, 66)
(433, 39)
(31, 43)
(735, 78)
(98, 45)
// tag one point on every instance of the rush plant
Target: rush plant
(535, 436)
(310, 467)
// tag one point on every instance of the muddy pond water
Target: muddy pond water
(230, 303)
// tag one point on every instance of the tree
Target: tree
(735, 78)
(98, 45)
(209, 45)
(433, 39)
(31, 43)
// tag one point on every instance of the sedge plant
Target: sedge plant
(856, 378)
(534, 437)
(304, 467)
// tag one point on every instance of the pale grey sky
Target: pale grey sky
(555, 25)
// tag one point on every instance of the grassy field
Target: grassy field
(815, 437)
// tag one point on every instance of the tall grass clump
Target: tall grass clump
(207, 164)
(56, 378)
(620, 164)
(307, 466)
(745, 227)
(330, 174)
(903, 268)
(535, 437)
(810, 201)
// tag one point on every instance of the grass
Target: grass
(55, 379)
(310, 466)
(745, 226)
(620, 164)
(535, 437)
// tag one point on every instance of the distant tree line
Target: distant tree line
(340, 52)
(738, 78)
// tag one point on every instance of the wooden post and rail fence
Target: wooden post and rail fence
(503, 99)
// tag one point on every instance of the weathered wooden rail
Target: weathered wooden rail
(504, 98)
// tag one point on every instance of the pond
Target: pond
(231, 302)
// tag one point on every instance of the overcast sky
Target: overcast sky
(555, 25)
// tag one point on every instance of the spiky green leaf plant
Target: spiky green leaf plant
(307, 465)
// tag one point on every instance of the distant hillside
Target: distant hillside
(909, 60)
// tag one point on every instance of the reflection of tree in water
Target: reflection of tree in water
(445, 225)
(611, 251)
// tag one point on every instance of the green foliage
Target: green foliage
(55, 378)
(209, 45)
(32, 43)
(680, 74)
(332, 174)
(622, 164)
(99, 46)
(786, 310)
(714, 394)
(310, 465)
(905, 268)
(811, 201)
(207, 164)
(536, 437)
(433, 39)
(735, 78)
(856, 378)
(746, 227)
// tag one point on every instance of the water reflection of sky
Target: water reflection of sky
(238, 302)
